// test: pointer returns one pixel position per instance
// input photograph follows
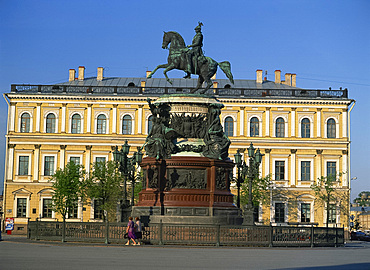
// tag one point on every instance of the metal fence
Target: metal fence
(216, 235)
(156, 91)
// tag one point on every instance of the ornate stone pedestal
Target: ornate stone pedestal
(187, 172)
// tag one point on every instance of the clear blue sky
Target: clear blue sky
(326, 43)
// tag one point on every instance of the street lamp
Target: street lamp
(255, 158)
(127, 167)
(242, 168)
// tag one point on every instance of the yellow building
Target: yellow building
(303, 133)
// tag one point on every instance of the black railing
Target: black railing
(215, 235)
(156, 91)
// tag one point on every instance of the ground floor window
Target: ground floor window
(47, 211)
(21, 207)
(98, 212)
(332, 213)
(305, 212)
(279, 212)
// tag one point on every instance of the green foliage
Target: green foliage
(68, 185)
(363, 199)
(105, 184)
(260, 190)
(327, 192)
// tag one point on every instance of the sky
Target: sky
(326, 43)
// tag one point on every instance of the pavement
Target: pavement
(18, 252)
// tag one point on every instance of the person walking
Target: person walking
(138, 230)
(131, 231)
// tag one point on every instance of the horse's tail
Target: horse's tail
(226, 68)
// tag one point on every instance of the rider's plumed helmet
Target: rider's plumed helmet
(199, 26)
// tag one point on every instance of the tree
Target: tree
(327, 192)
(260, 191)
(68, 185)
(105, 185)
(363, 199)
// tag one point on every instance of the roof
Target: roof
(176, 82)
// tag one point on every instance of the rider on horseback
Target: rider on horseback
(195, 51)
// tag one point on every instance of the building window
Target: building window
(254, 127)
(100, 159)
(49, 166)
(229, 126)
(73, 213)
(75, 160)
(150, 123)
(280, 128)
(279, 212)
(331, 128)
(47, 208)
(50, 123)
(76, 124)
(305, 128)
(101, 124)
(25, 122)
(127, 125)
(332, 213)
(305, 212)
(21, 207)
(331, 169)
(279, 170)
(305, 170)
(23, 165)
(98, 212)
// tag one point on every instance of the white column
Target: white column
(9, 173)
(318, 163)
(241, 127)
(319, 123)
(293, 167)
(344, 125)
(62, 156)
(345, 177)
(12, 117)
(114, 120)
(63, 124)
(292, 121)
(38, 117)
(88, 158)
(140, 120)
(36, 162)
(267, 161)
(88, 120)
(267, 128)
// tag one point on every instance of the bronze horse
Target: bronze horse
(206, 66)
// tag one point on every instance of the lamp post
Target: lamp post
(242, 168)
(127, 167)
(255, 158)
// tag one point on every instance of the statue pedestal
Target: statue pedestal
(187, 190)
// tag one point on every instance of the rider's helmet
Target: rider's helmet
(199, 26)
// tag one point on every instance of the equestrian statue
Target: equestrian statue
(191, 59)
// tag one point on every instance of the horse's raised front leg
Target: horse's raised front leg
(158, 67)
(199, 84)
(170, 67)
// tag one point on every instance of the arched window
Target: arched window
(280, 127)
(305, 128)
(76, 123)
(254, 127)
(331, 128)
(127, 124)
(50, 123)
(229, 126)
(101, 124)
(150, 123)
(25, 122)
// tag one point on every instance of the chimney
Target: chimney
(277, 76)
(81, 73)
(288, 79)
(72, 75)
(259, 76)
(294, 80)
(100, 74)
(148, 73)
